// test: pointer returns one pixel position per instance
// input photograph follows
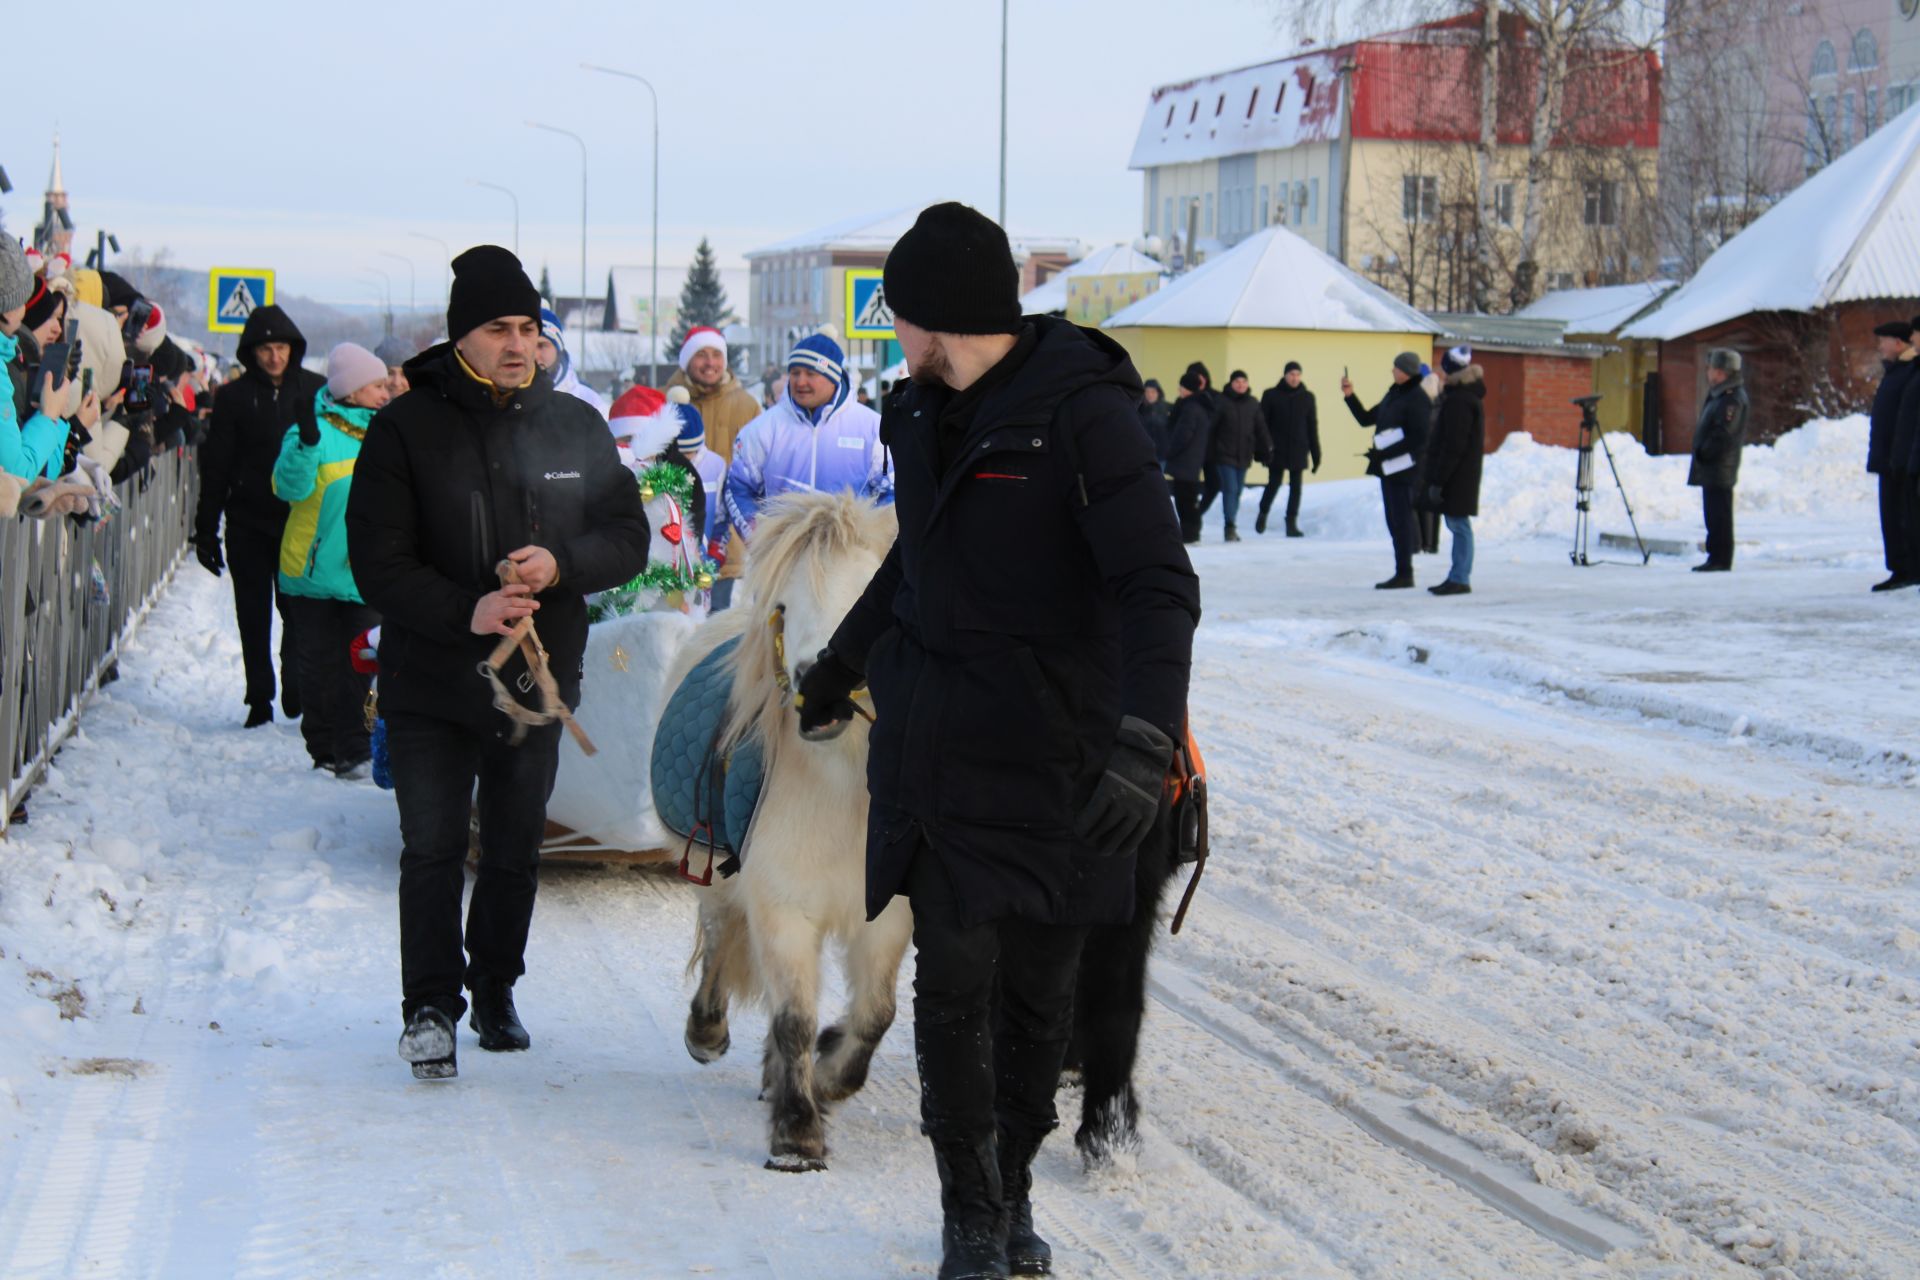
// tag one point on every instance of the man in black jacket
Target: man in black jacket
(1027, 644)
(1189, 436)
(1897, 497)
(481, 465)
(251, 415)
(1399, 425)
(1239, 436)
(1718, 439)
(1293, 424)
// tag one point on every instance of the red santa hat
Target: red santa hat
(701, 338)
(638, 418)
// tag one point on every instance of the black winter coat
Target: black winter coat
(445, 485)
(1399, 425)
(1156, 418)
(1903, 455)
(1293, 424)
(250, 419)
(1038, 592)
(1459, 442)
(1884, 422)
(1189, 436)
(1239, 432)
(1719, 437)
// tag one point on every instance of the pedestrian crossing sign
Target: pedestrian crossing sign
(233, 294)
(869, 318)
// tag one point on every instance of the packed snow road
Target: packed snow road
(1567, 929)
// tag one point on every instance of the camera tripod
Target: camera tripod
(1583, 485)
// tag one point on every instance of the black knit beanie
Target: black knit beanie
(488, 282)
(117, 291)
(953, 272)
(1190, 381)
(42, 305)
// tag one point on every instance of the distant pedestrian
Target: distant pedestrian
(314, 473)
(1452, 470)
(1239, 436)
(1293, 424)
(1154, 413)
(1189, 430)
(1718, 438)
(1898, 501)
(1425, 519)
(394, 353)
(1399, 425)
(557, 361)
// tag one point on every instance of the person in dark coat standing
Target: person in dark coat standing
(1027, 644)
(1154, 415)
(1899, 507)
(482, 465)
(1293, 424)
(1399, 425)
(1189, 434)
(1239, 437)
(1451, 473)
(1718, 438)
(251, 415)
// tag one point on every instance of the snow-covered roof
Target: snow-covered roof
(1849, 233)
(877, 232)
(1596, 310)
(1274, 280)
(1269, 107)
(1114, 260)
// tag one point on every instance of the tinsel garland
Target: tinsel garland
(664, 477)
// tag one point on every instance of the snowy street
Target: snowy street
(1570, 928)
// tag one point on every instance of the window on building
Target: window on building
(1308, 100)
(1813, 148)
(1266, 207)
(1873, 108)
(1824, 61)
(1831, 115)
(1169, 123)
(1220, 104)
(1603, 203)
(1206, 215)
(1195, 113)
(1865, 55)
(1419, 198)
(1503, 203)
(1253, 100)
(1279, 99)
(1560, 280)
(1313, 202)
(1846, 120)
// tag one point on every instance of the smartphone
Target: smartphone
(140, 387)
(73, 332)
(86, 383)
(53, 369)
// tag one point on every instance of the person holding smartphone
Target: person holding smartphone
(36, 446)
(1399, 425)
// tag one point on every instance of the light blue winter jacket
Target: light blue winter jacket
(785, 451)
(36, 449)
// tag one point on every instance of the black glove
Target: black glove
(309, 425)
(1127, 798)
(1434, 498)
(822, 698)
(208, 554)
(1316, 466)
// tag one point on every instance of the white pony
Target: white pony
(803, 877)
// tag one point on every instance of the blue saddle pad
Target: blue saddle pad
(699, 791)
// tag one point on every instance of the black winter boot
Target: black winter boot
(1398, 582)
(973, 1231)
(1027, 1253)
(1233, 534)
(1260, 523)
(1293, 530)
(259, 713)
(427, 1044)
(494, 1019)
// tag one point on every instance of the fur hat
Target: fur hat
(1724, 359)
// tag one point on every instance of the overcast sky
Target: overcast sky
(311, 137)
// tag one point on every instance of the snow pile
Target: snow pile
(1527, 488)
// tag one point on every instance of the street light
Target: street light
(653, 304)
(582, 143)
(413, 304)
(446, 253)
(481, 182)
(387, 280)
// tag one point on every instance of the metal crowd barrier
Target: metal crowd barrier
(57, 633)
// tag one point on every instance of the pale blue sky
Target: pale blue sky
(311, 137)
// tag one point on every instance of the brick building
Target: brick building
(1533, 375)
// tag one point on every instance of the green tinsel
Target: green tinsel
(665, 478)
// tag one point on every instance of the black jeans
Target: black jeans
(1186, 504)
(253, 562)
(435, 765)
(1717, 508)
(1295, 478)
(992, 1012)
(333, 695)
(1897, 534)
(1397, 501)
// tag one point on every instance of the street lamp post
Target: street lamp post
(653, 304)
(482, 182)
(387, 283)
(582, 143)
(413, 301)
(446, 257)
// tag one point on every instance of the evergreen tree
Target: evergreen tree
(546, 285)
(703, 300)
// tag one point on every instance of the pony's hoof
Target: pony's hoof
(704, 1051)
(794, 1162)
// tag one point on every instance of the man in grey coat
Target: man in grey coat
(1718, 438)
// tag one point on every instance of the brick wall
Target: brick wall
(1532, 392)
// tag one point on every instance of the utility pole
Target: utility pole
(582, 143)
(481, 182)
(653, 304)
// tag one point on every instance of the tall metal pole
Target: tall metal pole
(446, 260)
(582, 142)
(386, 282)
(413, 304)
(481, 182)
(1003, 112)
(653, 304)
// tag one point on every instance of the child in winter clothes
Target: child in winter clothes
(314, 473)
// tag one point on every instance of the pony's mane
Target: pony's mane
(798, 534)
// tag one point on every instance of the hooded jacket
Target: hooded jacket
(1719, 436)
(1459, 443)
(250, 419)
(1239, 432)
(1038, 592)
(786, 450)
(316, 480)
(1293, 424)
(1189, 435)
(448, 481)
